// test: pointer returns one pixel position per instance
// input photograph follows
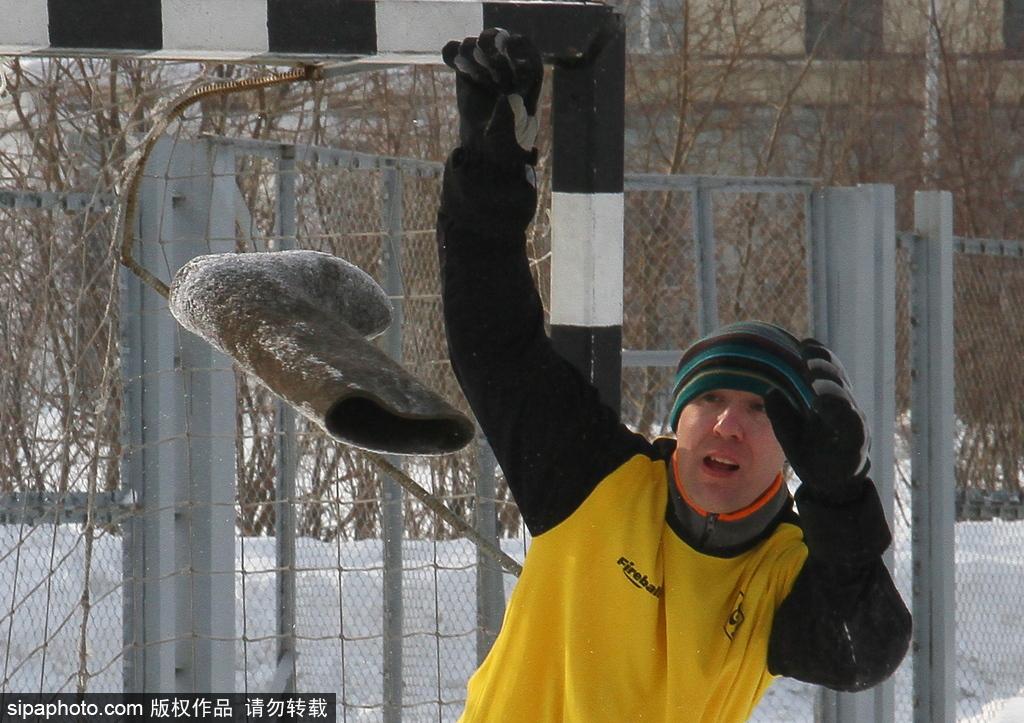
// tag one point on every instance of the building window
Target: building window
(843, 29)
(654, 26)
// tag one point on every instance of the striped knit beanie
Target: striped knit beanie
(750, 356)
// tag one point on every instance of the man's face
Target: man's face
(726, 450)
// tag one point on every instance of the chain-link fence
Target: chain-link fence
(755, 235)
(59, 409)
(378, 645)
(989, 293)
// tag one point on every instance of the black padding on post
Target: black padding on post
(115, 24)
(597, 352)
(562, 33)
(588, 118)
(322, 26)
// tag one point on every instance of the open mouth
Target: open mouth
(720, 465)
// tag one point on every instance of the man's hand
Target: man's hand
(498, 82)
(828, 444)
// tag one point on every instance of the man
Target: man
(666, 581)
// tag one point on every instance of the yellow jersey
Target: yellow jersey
(626, 622)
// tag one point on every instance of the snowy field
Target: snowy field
(339, 647)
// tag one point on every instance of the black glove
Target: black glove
(828, 444)
(498, 81)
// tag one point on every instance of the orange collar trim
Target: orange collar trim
(739, 514)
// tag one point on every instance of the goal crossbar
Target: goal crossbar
(285, 31)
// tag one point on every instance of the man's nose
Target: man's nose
(728, 424)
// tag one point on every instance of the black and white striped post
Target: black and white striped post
(587, 212)
(588, 46)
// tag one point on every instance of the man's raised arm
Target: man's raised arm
(550, 433)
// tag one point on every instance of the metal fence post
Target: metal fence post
(932, 481)
(392, 493)
(883, 453)
(202, 220)
(180, 621)
(133, 669)
(857, 257)
(149, 468)
(155, 454)
(490, 592)
(287, 452)
(704, 257)
(817, 252)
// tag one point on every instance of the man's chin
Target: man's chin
(721, 496)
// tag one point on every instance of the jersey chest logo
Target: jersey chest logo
(736, 617)
(639, 579)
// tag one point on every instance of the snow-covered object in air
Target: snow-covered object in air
(300, 322)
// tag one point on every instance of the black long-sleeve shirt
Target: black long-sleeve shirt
(632, 605)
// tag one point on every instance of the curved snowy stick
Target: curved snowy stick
(299, 321)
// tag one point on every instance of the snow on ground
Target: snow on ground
(339, 588)
(1010, 710)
